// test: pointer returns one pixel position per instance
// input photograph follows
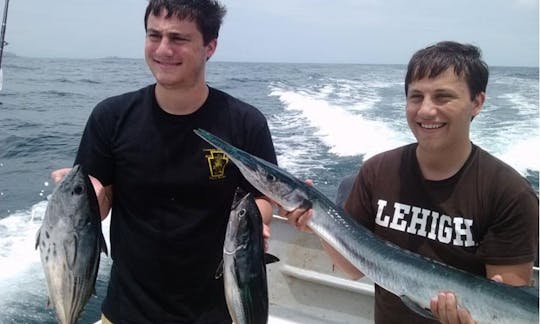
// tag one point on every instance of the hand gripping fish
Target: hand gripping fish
(244, 262)
(412, 277)
(70, 241)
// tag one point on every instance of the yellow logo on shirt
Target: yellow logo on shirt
(217, 160)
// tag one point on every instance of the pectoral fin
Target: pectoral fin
(70, 249)
(269, 258)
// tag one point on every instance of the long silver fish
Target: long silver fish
(244, 262)
(70, 241)
(414, 278)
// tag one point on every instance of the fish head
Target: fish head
(73, 201)
(245, 223)
(275, 183)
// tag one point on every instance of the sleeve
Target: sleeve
(344, 189)
(259, 143)
(512, 236)
(358, 204)
(95, 149)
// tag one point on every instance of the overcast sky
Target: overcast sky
(329, 31)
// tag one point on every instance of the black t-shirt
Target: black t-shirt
(486, 213)
(172, 194)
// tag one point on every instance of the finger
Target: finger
(281, 211)
(302, 221)
(58, 175)
(309, 182)
(497, 278)
(465, 316)
(451, 308)
(293, 216)
(441, 307)
(434, 306)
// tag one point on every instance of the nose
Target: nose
(427, 108)
(164, 47)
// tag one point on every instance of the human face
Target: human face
(440, 110)
(175, 51)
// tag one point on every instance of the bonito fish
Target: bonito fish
(70, 241)
(244, 262)
(412, 277)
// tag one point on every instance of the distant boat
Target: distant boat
(2, 42)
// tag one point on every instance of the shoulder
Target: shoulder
(235, 106)
(125, 100)
(393, 157)
(492, 167)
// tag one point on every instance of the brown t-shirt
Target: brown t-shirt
(487, 213)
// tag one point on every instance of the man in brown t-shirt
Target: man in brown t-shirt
(443, 196)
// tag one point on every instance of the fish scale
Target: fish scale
(412, 277)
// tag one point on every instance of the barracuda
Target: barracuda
(244, 262)
(412, 277)
(70, 241)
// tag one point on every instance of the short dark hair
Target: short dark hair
(433, 60)
(207, 14)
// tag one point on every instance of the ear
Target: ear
(211, 48)
(478, 103)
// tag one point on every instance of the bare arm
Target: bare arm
(104, 197)
(299, 218)
(341, 262)
(103, 194)
(515, 275)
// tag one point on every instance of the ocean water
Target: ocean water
(325, 120)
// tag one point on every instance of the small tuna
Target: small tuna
(70, 241)
(244, 262)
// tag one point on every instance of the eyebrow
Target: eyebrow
(168, 34)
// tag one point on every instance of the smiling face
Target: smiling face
(175, 51)
(440, 110)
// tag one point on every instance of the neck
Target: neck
(181, 101)
(439, 166)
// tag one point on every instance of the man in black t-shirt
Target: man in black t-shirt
(443, 196)
(170, 192)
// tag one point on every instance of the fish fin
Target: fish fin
(417, 308)
(269, 258)
(38, 236)
(219, 270)
(71, 252)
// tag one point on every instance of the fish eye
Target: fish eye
(270, 177)
(242, 212)
(78, 190)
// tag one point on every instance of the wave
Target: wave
(343, 130)
(17, 243)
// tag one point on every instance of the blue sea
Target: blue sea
(325, 120)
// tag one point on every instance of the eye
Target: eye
(270, 177)
(443, 98)
(414, 98)
(178, 39)
(242, 213)
(78, 190)
(153, 36)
